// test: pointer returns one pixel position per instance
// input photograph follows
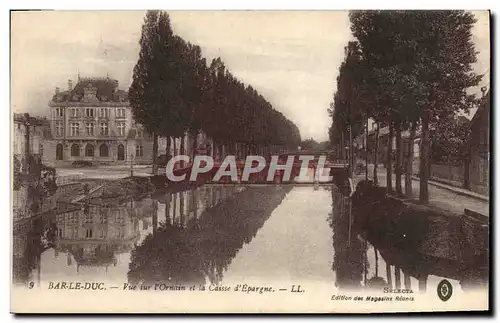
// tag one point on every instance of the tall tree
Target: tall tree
(427, 57)
(443, 53)
(146, 93)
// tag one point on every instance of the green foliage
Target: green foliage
(449, 141)
(314, 146)
(421, 61)
(347, 107)
(174, 91)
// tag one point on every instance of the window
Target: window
(90, 129)
(103, 150)
(75, 150)
(59, 128)
(88, 219)
(59, 112)
(121, 152)
(103, 113)
(89, 112)
(75, 112)
(103, 219)
(104, 128)
(120, 113)
(75, 129)
(59, 152)
(88, 234)
(140, 133)
(139, 151)
(89, 150)
(121, 128)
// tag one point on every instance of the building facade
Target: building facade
(479, 166)
(93, 122)
(28, 136)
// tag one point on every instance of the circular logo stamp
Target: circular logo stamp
(444, 290)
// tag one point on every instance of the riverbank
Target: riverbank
(443, 198)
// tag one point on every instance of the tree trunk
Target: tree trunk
(424, 161)
(399, 154)
(397, 277)
(375, 162)
(182, 150)
(466, 173)
(422, 284)
(174, 196)
(407, 281)
(181, 209)
(366, 149)
(155, 219)
(409, 162)
(351, 153)
(388, 274)
(195, 146)
(167, 210)
(155, 153)
(342, 146)
(167, 152)
(389, 158)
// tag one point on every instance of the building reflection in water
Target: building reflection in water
(187, 236)
(201, 232)
(88, 235)
(363, 261)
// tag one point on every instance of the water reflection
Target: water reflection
(198, 247)
(349, 249)
(31, 238)
(182, 237)
(370, 256)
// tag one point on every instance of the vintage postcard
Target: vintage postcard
(171, 161)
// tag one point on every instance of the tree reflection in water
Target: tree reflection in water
(349, 249)
(31, 238)
(362, 230)
(202, 249)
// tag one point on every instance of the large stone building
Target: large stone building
(93, 122)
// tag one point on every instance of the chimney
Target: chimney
(57, 90)
(70, 85)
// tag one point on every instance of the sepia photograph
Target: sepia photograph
(250, 161)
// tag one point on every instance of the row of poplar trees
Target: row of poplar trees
(406, 70)
(174, 92)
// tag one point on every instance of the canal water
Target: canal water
(223, 235)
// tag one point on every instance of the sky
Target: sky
(290, 57)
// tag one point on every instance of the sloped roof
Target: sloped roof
(96, 89)
(484, 108)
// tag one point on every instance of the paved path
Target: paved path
(439, 196)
